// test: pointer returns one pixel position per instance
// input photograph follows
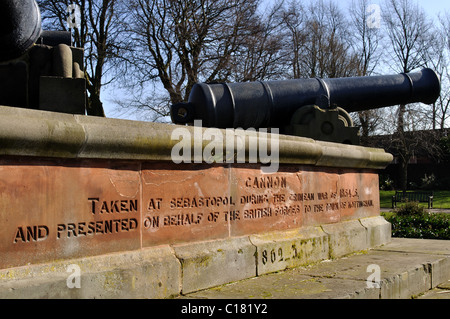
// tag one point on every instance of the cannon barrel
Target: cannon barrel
(273, 103)
(20, 27)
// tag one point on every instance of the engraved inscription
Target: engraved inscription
(278, 200)
(113, 206)
(28, 234)
(102, 227)
(276, 255)
(273, 205)
(266, 182)
(75, 208)
(81, 229)
(260, 201)
(285, 253)
(198, 202)
(31, 234)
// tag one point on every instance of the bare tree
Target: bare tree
(180, 43)
(294, 20)
(407, 28)
(99, 33)
(316, 40)
(437, 57)
(444, 101)
(366, 39)
(260, 56)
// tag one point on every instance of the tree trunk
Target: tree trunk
(95, 106)
(403, 148)
(363, 120)
(403, 174)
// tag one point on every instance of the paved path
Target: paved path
(404, 268)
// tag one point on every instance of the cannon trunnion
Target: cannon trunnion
(315, 108)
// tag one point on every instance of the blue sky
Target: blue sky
(432, 7)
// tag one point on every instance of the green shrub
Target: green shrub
(410, 208)
(411, 221)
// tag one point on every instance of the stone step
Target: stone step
(403, 268)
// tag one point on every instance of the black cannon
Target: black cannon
(20, 25)
(38, 69)
(315, 108)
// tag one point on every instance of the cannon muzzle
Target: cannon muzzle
(289, 104)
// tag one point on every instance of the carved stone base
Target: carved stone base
(168, 270)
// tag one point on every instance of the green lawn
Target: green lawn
(441, 199)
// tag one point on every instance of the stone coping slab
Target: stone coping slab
(25, 132)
